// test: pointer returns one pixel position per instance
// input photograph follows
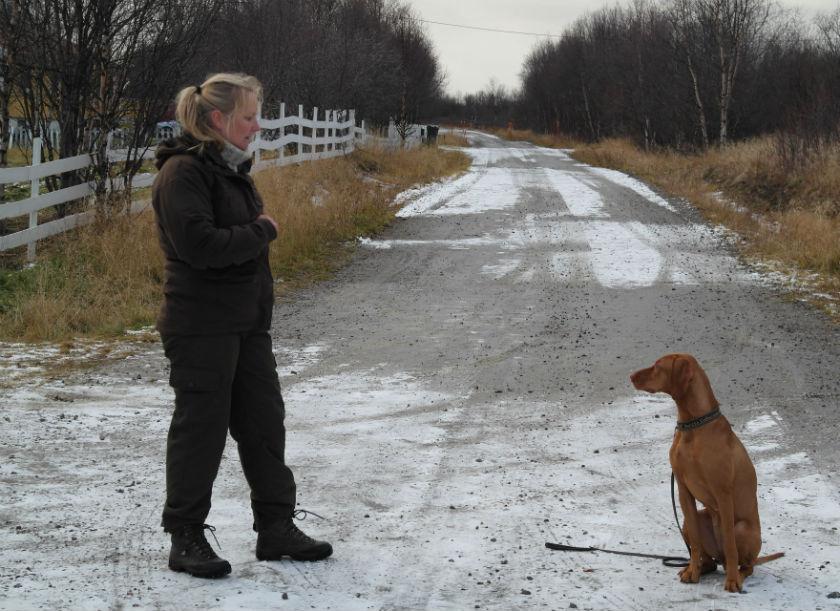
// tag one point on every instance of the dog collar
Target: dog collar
(698, 422)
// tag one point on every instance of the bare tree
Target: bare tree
(141, 76)
(370, 55)
(685, 73)
(688, 46)
(734, 25)
(420, 76)
(10, 36)
(96, 65)
(828, 25)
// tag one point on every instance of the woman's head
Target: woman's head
(223, 108)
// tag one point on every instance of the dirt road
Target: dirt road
(457, 396)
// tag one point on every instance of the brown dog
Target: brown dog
(711, 466)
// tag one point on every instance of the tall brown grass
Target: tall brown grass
(452, 137)
(780, 193)
(105, 278)
(98, 280)
(787, 215)
(559, 140)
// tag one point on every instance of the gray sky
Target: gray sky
(471, 58)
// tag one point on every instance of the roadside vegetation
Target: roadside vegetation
(731, 104)
(557, 141)
(781, 197)
(452, 137)
(106, 278)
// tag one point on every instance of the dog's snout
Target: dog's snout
(636, 377)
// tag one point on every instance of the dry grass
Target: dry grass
(320, 207)
(16, 156)
(452, 137)
(787, 217)
(105, 278)
(556, 141)
(98, 280)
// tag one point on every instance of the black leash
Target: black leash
(673, 561)
(670, 561)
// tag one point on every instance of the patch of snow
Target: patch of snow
(501, 269)
(619, 258)
(580, 198)
(490, 189)
(635, 185)
(454, 244)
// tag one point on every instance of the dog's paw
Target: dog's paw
(690, 574)
(733, 584)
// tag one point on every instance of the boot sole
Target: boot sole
(222, 572)
(299, 557)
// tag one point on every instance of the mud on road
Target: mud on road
(457, 396)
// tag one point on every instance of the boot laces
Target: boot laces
(297, 533)
(300, 514)
(198, 542)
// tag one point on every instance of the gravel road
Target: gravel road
(457, 396)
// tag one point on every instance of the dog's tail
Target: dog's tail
(768, 558)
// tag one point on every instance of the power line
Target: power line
(473, 27)
(500, 31)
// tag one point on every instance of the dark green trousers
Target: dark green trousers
(225, 382)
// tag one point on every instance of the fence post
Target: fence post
(327, 114)
(352, 142)
(257, 138)
(282, 133)
(34, 190)
(314, 133)
(332, 131)
(300, 130)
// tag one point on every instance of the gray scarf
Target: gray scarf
(234, 156)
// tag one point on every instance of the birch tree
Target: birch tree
(686, 40)
(735, 25)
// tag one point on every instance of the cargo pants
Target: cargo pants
(225, 382)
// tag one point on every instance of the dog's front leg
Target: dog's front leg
(726, 510)
(691, 532)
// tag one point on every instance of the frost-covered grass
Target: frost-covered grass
(105, 278)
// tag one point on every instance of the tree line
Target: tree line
(98, 65)
(680, 73)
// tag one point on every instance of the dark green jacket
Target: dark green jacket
(217, 278)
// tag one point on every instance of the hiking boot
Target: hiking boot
(191, 553)
(285, 539)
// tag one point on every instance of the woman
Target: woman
(214, 323)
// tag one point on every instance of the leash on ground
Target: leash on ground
(671, 561)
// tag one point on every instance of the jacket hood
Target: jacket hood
(186, 144)
(179, 145)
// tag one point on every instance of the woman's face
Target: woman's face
(239, 127)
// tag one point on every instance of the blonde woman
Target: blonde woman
(214, 324)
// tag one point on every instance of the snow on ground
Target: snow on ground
(469, 487)
(638, 186)
(479, 502)
(619, 254)
(589, 242)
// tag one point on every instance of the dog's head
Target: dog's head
(671, 374)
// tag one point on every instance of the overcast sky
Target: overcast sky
(471, 58)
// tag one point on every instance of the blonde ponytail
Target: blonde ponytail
(225, 92)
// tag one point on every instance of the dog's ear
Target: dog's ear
(682, 372)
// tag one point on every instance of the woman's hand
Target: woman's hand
(270, 220)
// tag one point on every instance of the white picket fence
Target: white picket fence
(335, 134)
